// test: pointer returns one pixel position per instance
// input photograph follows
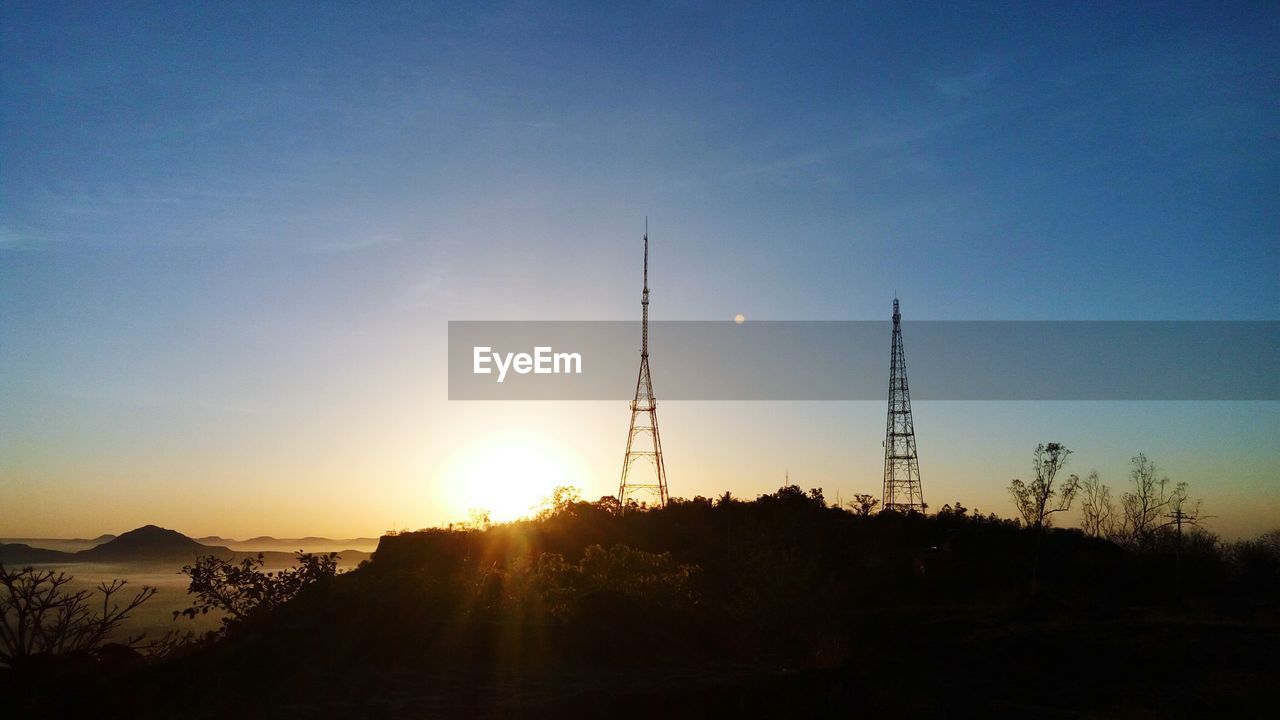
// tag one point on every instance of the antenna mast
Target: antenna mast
(643, 440)
(644, 298)
(901, 466)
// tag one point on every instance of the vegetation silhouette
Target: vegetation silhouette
(778, 606)
(41, 618)
(240, 590)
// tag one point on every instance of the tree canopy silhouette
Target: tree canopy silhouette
(39, 614)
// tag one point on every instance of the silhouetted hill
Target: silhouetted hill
(66, 545)
(150, 542)
(310, 543)
(21, 553)
(777, 607)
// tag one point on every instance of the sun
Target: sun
(508, 476)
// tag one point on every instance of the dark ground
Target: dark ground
(774, 608)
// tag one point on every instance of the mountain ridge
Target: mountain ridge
(149, 543)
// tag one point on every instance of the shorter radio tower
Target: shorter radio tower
(901, 467)
(643, 440)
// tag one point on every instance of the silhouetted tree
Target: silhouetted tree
(38, 614)
(863, 504)
(477, 519)
(1255, 566)
(242, 590)
(1150, 504)
(609, 504)
(1098, 512)
(1038, 500)
(562, 500)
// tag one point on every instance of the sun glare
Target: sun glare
(508, 476)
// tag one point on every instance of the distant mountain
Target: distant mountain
(19, 553)
(156, 544)
(66, 545)
(311, 543)
(150, 543)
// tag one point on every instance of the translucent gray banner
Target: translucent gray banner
(820, 360)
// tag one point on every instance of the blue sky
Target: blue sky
(231, 237)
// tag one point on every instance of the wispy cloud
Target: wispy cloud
(968, 84)
(799, 161)
(434, 284)
(13, 241)
(355, 244)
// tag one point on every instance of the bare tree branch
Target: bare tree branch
(39, 615)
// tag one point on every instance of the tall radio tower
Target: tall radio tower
(644, 413)
(901, 468)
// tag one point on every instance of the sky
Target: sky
(232, 236)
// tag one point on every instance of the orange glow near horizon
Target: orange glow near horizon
(508, 475)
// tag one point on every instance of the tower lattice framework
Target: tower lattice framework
(643, 440)
(901, 466)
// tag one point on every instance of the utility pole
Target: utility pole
(1178, 518)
